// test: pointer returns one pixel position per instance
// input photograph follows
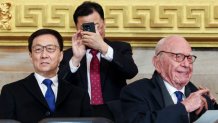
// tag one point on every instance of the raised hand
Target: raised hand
(94, 41)
(78, 48)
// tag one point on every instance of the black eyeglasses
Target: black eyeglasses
(179, 57)
(40, 48)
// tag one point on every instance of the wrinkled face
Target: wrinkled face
(46, 59)
(94, 17)
(178, 74)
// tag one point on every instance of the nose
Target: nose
(185, 62)
(44, 53)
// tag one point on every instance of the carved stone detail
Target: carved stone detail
(149, 17)
(5, 16)
(44, 16)
(140, 23)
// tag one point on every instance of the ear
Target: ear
(31, 59)
(61, 56)
(104, 24)
(156, 63)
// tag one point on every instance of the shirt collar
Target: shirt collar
(40, 79)
(172, 89)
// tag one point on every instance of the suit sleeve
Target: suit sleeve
(7, 104)
(137, 108)
(123, 61)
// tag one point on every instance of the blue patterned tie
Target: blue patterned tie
(179, 95)
(49, 95)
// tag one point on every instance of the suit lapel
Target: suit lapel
(187, 90)
(157, 93)
(30, 83)
(158, 97)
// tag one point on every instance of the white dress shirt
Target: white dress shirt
(172, 90)
(43, 87)
(108, 56)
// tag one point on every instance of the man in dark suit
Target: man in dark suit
(169, 96)
(116, 62)
(31, 99)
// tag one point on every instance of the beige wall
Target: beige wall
(15, 64)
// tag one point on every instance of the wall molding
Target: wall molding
(142, 23)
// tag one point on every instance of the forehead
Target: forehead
(177, 44)
(94, 17)
(45, 39)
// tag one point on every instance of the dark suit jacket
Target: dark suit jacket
(24, 101)
(113, 74)
(146, 101)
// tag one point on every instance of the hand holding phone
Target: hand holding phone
(90, 27)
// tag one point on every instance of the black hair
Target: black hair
(87, 8)
(42, 32)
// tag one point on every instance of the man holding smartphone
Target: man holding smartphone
(96, 64)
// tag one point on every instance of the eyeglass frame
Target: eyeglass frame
(45, 47)
(183, 55)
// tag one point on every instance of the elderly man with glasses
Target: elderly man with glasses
(169, 96)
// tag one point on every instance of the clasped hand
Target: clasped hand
(196, 102)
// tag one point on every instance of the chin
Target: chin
(45, 70)
(184, 83)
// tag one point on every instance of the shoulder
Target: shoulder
(192, 87)
(117, 43)
(139, 85)
(68, 51)
(12, 86)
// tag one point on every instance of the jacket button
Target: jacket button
(48, 113)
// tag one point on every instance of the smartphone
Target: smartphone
(88, 27)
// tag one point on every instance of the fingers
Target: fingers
(87, 37)
(204, 103)
(201, 87)
(96, 29)
(212, 97)
(195, 101)
(76, 36)
(202, 92)
(202, 106)
(198, 111)
(87, 33)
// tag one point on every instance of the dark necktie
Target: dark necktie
(49, 95)
(96, 92)
(179, 95)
